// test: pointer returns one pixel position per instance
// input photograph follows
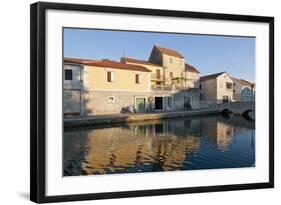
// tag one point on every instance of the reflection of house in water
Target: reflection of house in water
(224, 134)
(157, 145)
(217, 132)
(175, 144)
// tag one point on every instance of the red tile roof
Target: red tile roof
(244, 82)
(207, 77)
(190, 68)
(117, 65)
(133, 60)
(169, 51)
(76, 60)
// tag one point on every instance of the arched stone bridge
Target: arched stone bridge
(237, 108)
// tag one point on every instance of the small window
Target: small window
(110, 76)
(171, 74)
(171, 60)
(68, 74)
(137, 78)
(110, 99)
(200, 86)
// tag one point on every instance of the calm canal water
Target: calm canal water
(174, 144)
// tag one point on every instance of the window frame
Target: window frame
(68, 75)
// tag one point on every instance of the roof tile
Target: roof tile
(169, 51)
(117, 65)
(190, 68)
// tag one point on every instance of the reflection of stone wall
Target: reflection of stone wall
(71, 101)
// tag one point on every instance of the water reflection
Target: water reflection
(174, 144)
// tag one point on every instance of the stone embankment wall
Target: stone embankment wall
(92, 102)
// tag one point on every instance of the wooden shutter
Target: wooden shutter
(137, 78)
(158, 74)
(108, 76)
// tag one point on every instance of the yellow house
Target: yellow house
(104, 87)
(191, 76)
(94, 87)
(116, 76)
(169, 70)
(172, 62)
(157, 75)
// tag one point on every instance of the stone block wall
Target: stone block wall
(106, 102)
(113, 102)
(71, 101)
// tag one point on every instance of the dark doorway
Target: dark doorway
(158, 103)
(224, 98)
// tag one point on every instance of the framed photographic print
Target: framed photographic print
(129, 102)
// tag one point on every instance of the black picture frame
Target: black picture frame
(38, 101)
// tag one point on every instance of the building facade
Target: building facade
(216, 88)
(94, 87)
(243, 90)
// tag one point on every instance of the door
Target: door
(140, 104)
(158, 103)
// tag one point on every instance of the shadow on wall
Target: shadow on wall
(75, 103)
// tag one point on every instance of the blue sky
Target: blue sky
(208, 53)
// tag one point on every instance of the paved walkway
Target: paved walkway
(79, 121)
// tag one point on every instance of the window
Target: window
(228, 85)
(68, 74)
(171, 74)
(110, 99)
(137, 78)
(171, 60)
(200, 86)
(110, 76)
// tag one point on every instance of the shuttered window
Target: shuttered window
(110, 76)
(158, 74)
(137, 78)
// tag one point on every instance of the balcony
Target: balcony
(157, 78)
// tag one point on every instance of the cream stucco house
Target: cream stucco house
(216, 88)
(170, 74)
(104, 87)
(243, 90)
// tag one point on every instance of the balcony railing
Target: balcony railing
(161, 87)
(171, 88)
(156, 77)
